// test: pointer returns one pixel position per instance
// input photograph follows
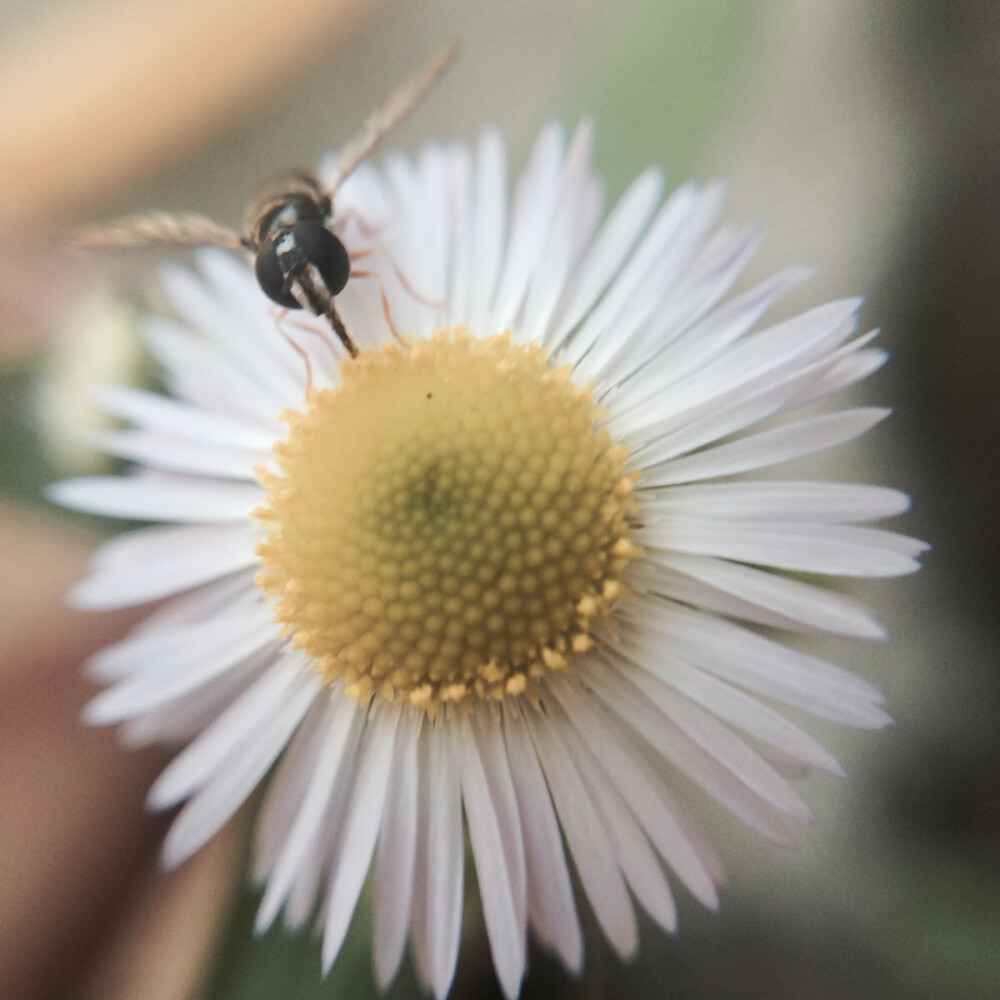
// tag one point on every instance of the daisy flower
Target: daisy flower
(511, 570)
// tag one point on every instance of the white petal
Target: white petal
(315, 779)
(163, 452)
(421, 236)
(285, 791)
(777, 501)
(263, 351)
(397, 852)
(704, 281)
(158, 413)
(843, 550)
(150, 563)
(607, 252)
(198, 372)
(731, 705)
(586, 837)
(323, 855)
(203, 311)
(804, 437)
(703, 342)
(365, 200)
(759, 664)
(766, 358)
(160, 497)
(637, 711)
(489, 226)
(716, 739)
(185, 717)
(169, 643)
(644, 791)
(230, 786)
(770, 599)
(657, 432)
(419, 930)
(220, 742)
(166, 666)
(201, 603)
(441, 859)
(634, 294)
(534, 201)
(590, 213)
(635, 856)
(460, 214)
(849, 369)
(551, 906)
(504, 927)
(361, 826)
(672, 239)
(712, 420)
(557, 249)
(493, 755)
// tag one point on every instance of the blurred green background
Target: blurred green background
(866, 138)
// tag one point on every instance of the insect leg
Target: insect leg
(397, 271)
(295, 346)
(369, 229)
(385, 302)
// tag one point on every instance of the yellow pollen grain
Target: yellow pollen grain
(448, 524)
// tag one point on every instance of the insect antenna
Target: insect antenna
(399, 104)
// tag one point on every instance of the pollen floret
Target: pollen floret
(448, 524)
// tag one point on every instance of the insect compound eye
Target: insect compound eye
(325, 252)
(285, 257)
(271, 277)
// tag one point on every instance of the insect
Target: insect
(299, 260)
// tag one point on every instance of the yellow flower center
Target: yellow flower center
(448, 524)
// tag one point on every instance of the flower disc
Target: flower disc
(447, 523)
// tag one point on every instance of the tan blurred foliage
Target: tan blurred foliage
(91, 97)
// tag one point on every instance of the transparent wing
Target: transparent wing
(156, 229)
(400, 103)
